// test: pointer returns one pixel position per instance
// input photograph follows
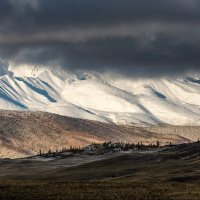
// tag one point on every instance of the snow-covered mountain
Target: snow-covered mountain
(102, 97)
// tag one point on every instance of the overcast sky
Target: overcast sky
(135, 37)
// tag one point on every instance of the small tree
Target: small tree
(157, 144)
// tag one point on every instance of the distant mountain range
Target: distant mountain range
(102, 97)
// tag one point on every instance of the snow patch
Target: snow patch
(101, 97)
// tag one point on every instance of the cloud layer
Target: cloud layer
(133, 37)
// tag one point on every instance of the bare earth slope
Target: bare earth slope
(189, 132)
(24, 133)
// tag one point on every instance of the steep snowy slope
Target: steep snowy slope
(102, 97)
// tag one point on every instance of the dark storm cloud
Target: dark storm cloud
(134, 37)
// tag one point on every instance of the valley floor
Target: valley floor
(98, 191)
(171, 172)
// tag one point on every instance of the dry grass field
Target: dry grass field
(98, 191)
(171, 172)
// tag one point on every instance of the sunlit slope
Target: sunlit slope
(104, 97)
(26, 133)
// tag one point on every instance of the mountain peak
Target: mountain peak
(3, 68)
(26, 70)
(96, 96)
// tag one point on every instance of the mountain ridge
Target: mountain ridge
(103, 97)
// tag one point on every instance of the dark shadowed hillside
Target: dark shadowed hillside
(170, 172)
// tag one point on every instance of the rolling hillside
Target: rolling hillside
(24, 133)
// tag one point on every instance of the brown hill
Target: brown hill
(25, 133)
